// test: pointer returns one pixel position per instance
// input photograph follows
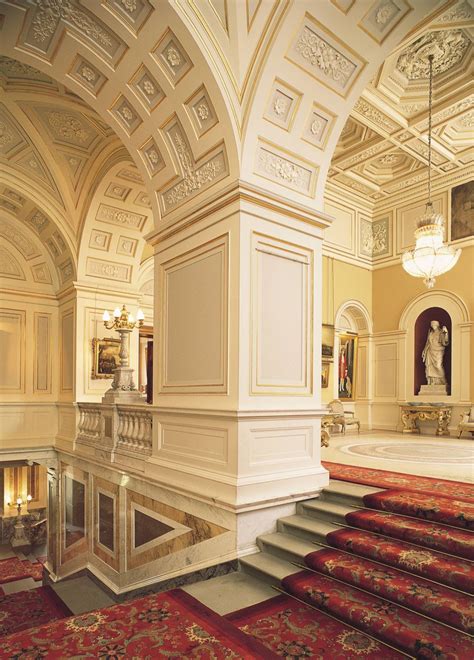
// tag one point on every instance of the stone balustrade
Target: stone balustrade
(111, 429)
(134, 431)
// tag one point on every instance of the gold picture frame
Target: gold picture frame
(105, 357)
(325, 374)
(347, 366)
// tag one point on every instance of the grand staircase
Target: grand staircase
(404, 580)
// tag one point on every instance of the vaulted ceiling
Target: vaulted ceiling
(383, 146)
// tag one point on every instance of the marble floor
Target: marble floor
(426, 455)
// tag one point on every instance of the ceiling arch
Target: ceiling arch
(118, 217)
(24, 260)
(153, 87)
(318, 65)
(28, 211)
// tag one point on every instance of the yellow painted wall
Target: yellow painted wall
(393, 289)
(342, 282)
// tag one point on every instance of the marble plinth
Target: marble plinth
(434, 390)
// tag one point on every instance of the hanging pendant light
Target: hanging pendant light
(430, 256)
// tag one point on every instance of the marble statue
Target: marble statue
(433, 354)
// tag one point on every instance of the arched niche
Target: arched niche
(422, 328)
(456, 309)
(353, 317)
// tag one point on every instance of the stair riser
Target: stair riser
(345, 499)
(321, 514)
(307, 535)
(281, 553)
(260, 575)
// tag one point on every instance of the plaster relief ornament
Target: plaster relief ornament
(173, 57)
(126, 113)
(6, 135)
(279, 106)
(148, 87)
(193, 179)
(203, 111)
(432, 356)
(67, 126)
(88, 74)
(317, 126)
(324, 57)
(50, 12)
(385, 13)
(447, 47)
(129, 5)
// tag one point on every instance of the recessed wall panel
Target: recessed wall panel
(12, 351)
(282, 317)
(195, 313)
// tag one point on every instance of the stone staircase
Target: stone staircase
(304, 532)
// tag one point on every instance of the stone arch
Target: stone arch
(460, 342)
(160, 80)
(308, 83)
(357, 316)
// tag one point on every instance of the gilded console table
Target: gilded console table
(412, 415)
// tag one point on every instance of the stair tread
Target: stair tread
(350, 489)
(288, 542)
(309, 524)
(328, 506)
(270, 565)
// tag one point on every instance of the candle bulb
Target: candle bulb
(130, 318)
(106, 316)
(29, 498)
(140, 315)
(117, 312)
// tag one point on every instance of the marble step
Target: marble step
(267, 567)
(325, 510)
(344, 492)
(307, 528)
(286, 546)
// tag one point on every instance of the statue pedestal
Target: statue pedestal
(19, 540)
(123, 388)
(436, 390)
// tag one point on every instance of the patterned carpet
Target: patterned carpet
(168, 625)
(15, 569)
(294, 630)
(407, 482)
(26, 609)
(397, 572)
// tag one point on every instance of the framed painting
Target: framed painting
(462, 211)
(105, 357)
(347, 363)
(327, 340)
(325, 374)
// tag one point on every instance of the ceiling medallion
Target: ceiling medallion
(430, 257)
(447, 48)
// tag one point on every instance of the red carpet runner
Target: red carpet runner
(413, 482)
(294, 630)
(26, 609)
(420, 505)
(171, 624)
(429, 535)
(450, 571)
(410, 632)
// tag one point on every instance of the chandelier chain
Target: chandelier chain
(430, 99)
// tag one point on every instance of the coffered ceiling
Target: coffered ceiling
(383, 146)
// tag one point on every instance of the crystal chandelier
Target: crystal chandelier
(430, 257)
